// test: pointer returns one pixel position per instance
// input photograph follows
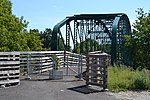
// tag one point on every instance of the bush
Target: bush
(124, 78)
(141, 80)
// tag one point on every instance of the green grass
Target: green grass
(123, 79)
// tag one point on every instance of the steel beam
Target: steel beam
(97, 27)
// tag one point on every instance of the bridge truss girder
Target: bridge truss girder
(106, 29)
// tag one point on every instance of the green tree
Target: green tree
(88, 45)
(33, 40)
(61, 44)
(10, 27)
(13, 32)
(46, 36)
(138, 45)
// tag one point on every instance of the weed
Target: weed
(124, 78)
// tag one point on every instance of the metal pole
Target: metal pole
(40, 63)
(64, 58)
(81, 77)
(54, 67)
(28, 69)
(79, 65)
(67, 66)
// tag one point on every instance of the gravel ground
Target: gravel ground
(132, 95)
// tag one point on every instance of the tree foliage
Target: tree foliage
(13, 33)
(46, 36)
(33, 40)
(87, 45)
(138, 45)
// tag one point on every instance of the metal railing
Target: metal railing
(39, 62)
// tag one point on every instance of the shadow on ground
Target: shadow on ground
(85, 89)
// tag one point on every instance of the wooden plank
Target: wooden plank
(95, 79)
(43, 64)
(9, 67)
(44, 67)
(9, 72)
(96, 75)
(97, 84)
(36, 58)
(39, 64)
(3, 58)
(9, 62)
(9, 81)
(9, 53)
(60, 56)
(35, 64)
(96, 65)
(10, 76)
(101, 70)
(44, 52)
(42, 70)
(46, 61)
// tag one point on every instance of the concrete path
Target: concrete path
(53, 90)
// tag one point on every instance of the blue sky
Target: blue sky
(43, 14)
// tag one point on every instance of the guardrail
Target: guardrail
(38, 62)
(9, 68)
(34, 62)
(14, 64)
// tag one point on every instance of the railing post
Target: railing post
(67, 66)
(79, 65)
(64, 58)
(81, 76)
(28, 68)
(87, 69)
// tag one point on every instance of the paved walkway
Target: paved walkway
(53, 90)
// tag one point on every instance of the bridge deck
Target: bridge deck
(53, 90)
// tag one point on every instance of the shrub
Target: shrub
(119, 78)
(141, 80)
(124, 78)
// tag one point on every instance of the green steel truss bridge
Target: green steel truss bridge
(107, 30)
